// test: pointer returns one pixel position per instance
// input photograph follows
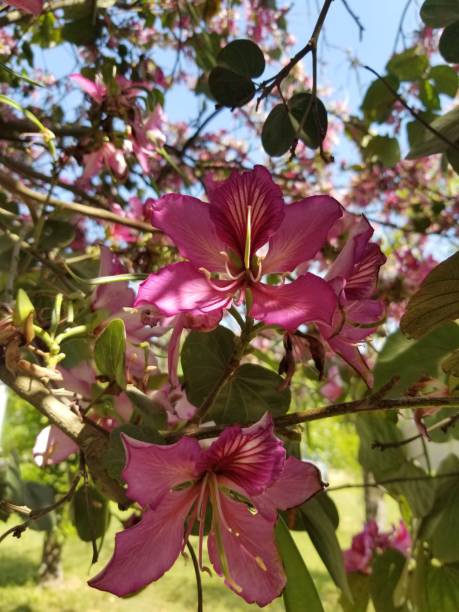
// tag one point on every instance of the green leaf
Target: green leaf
(322, 533)
(439, 13)
(435, 302)
(278, 133)
(76, 350)
(22, 308)
(408, 65)
(378, 100)
(359, 585)
(445, 79)
(90, 513)
(443, 588)
(37, 496)
(56, 233)
(152, 413)
(429, 95)
(207, 47)
(109, 352)
(314, 127)
(47, 135)
(300, 592)
(81, 31)
(230, 88)
(243, 57)
(386, 572)
(450, 365)
(447, 125)
(445, 538)
(114, 458)
(453, 158)
(449, 43)
(414, 359)
(384, 149)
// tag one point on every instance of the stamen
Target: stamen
(261, 563)
(248, 238)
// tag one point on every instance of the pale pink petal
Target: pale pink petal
(79, 379)
(180, 288)
(351, 355)
(255, 569)
(30, 6)
(302, 233)
(52, 446)
(97, 91)
(229, 205)
(111, 296)
(298, 482)
(186, 221)
(252, 458)
(143, 553)
(152, 470)
(307, 299)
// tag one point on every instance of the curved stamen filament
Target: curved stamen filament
(248, 238)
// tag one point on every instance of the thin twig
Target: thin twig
(198, 576)
(444, 425)
(355, 17)
(413, 112)
(18, 530)
(364, 485)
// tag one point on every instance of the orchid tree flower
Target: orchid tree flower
(244, 477)
(34, 7)
(243, 233)
(353, 276)
(106, 156)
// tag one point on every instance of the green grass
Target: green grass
(175, 592)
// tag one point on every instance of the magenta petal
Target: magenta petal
(30, 6)
(229, 204)
(358, 262)
(252, 457)
(351, 354)
(152, 470)
(144, 552)
(255, 569)
(97, 91)
(301, 233)
(186, 221)
(52, 446)
(180, 288)
(307, 299)
(298, 482)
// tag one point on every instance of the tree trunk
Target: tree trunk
(50, 568)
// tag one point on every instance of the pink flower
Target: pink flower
(52, 446)
(243, 475)
(95, 89)
(400, 539)
(107, 156)
(29, 6)
(353, 275)
(225, 242)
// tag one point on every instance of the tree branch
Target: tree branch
(35, 197)
(364, 485)
(92, 442)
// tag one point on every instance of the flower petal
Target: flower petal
(97, 91)
(298, 482)
(52, 446)
(301, 233)
(186, 221)
(307, 299)
(229, 205)
(144, 552)
(30, 6)
(358, 262)
(254, 566)
(181, 287)
(152, 470)
(252, 457)
(351, 355)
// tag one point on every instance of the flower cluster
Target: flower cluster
(370, 541)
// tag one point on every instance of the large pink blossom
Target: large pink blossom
(29, 6)
(353, 276)
(245, 232)
(244, 476)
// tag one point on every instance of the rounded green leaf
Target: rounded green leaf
(453, 158)
(278, 133)
(109, 352)
(90, 513)
(408, 65)
(378, 100)
(449, 43)
(439, 13)
(230, 88)
(384, 149)
(314, 126)
(445, 78)
(243, 57)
